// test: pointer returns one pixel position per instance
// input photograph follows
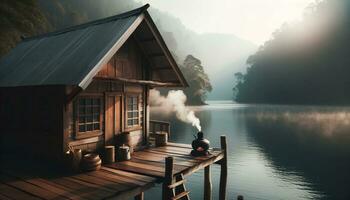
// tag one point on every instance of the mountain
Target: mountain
(221, 55)
(306, 62)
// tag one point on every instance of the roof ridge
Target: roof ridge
(91, 23)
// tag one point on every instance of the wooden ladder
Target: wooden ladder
(178, 189)
(173, 189)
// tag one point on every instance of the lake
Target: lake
(275, 152)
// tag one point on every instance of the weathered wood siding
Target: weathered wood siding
(129, 62)
(31, 121)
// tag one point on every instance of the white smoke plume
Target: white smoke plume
(174, 102)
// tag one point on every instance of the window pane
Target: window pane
(96, 101)
(89, 118)
(96, 118)
(132, 111)
(82, 128)
(89, 114)
(81, 101)
(81, 110)
(96, 126)
(96, 109)
(89, 127)
(82, 119)
(88, 110)
(136, 122)
(88, 101)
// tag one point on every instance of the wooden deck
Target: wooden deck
(120, 180)
(106, 183)
(151, 161)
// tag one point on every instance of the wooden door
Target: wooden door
(113, 113)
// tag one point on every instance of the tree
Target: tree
(198, 80)
(305, 62)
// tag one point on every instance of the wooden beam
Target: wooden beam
(223, 173)
(168, 178)
(142, 82)
(72, 94)
(177, 184)
(207, 183)
(140, 196)
(181, 195)
(203, 164)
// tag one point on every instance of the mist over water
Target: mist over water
(275, 152)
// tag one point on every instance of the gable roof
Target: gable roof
(73, 56)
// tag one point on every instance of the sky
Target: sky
(253, 20)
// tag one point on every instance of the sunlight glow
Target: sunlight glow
(253, 20)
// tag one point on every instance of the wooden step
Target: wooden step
(179, 196)
(177, 184)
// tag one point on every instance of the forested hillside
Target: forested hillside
(305, 63)
(43, 15)
(18, 19)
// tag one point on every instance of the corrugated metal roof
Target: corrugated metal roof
(68, 57)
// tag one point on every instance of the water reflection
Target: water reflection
(276, 152)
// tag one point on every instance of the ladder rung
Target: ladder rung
(177, 184)
(179, 196)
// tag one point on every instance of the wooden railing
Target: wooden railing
(157, 126)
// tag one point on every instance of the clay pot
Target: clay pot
(91, 162)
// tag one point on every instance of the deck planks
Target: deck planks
(103, 184)
(151, 161)
(120, 180)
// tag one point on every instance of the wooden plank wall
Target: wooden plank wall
(129, 62)
(31, 120)
(104, 87)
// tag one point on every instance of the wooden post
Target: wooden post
(207, 183)
(140, 196)
(168, 178)
(223, 173)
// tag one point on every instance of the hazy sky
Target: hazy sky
(253, 20)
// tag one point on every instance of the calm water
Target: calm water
(275, 152)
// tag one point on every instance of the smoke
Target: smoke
(174, 102)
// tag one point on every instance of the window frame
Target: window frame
(126, 111)
(93, 133)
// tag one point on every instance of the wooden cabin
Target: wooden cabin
(83, 86)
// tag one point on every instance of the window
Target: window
(132, 111)
(89, 118)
